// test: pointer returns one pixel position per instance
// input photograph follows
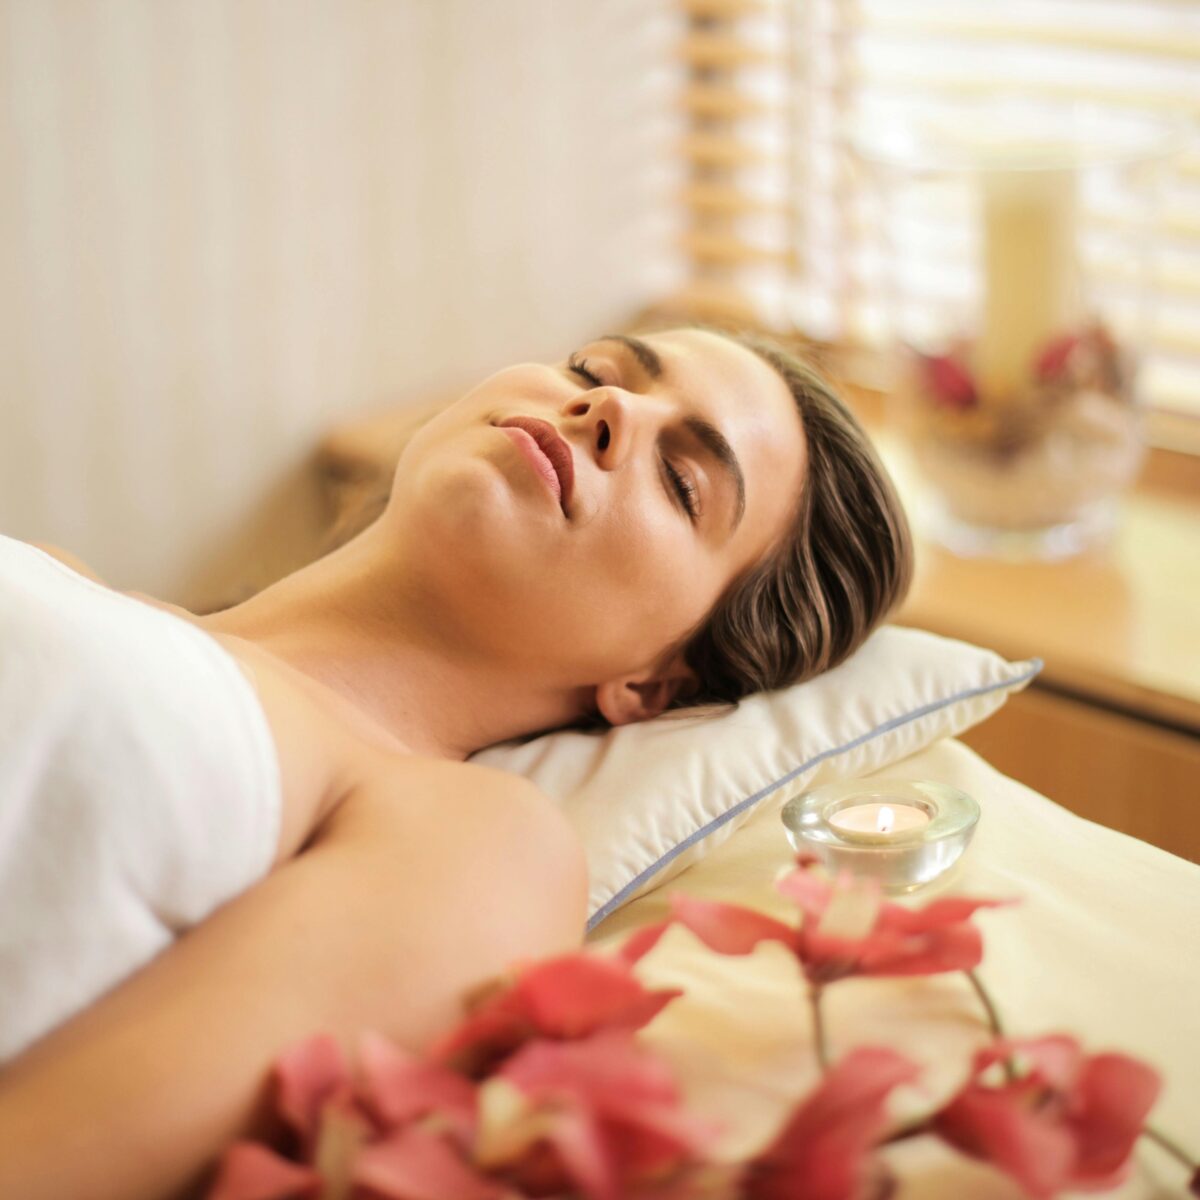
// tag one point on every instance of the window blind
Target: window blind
(781, 221)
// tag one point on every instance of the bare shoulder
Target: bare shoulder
(404, 792)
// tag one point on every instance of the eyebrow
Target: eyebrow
(707, 434)
(645, 353)
(713, 440)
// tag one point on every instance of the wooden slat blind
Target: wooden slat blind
(779, 221)
(742, 193)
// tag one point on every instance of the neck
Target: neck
(433, 687)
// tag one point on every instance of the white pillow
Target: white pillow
(650, 799)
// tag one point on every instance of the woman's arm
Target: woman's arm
(423, 887)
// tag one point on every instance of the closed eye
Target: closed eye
(580, 368)
(685, 489)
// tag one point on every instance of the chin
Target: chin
(468, 515)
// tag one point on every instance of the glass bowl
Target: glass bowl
(902, 861)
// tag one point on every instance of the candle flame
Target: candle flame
(885, 820)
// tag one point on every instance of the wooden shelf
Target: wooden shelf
(1125, 773)
(1117, 626)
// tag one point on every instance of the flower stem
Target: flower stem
(1171, 1147)
(994, 1022)
(814, 999)
(982, 992)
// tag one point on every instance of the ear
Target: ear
(641, 697)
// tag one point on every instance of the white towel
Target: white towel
(139, 787)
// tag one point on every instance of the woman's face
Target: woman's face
(592, 588)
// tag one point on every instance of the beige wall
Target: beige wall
(226, 224)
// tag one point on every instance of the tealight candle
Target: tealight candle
(879, 823)
(903, 833)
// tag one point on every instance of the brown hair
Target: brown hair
(845, 563)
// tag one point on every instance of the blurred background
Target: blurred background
(227, 224)
(245, 243)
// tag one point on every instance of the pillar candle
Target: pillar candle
(1030, 274)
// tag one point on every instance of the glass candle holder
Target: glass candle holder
(902, 833)
(1016, 284)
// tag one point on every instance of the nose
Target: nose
(608, 419)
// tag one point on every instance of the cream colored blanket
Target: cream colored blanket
(1104, 944)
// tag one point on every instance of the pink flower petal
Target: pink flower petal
(809, 892)
(729, 928)
(939, 914)
(399, 1087)
(585, 1159)
(904, 941)
(821, 1152)
(484, 1037)
(1115, 1095)
(306, 1075)
(565, 997)
(856, 1088)
(414, 1164)
(1000, 1127)
(959, 948)
(642, 941)
(628, 1090)
(853, 910)
(574, 995)
(249, 1171)
(609, 1067)
(651, 1137)
(1055, 1060)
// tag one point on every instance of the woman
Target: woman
(656, 523)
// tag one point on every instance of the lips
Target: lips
(554, 448)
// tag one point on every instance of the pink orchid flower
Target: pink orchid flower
(822, 1152)
(562, 998)
(845, 929)
(345, 1128)
(408, 1126)
(595, 1117)
(1070, 1122)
